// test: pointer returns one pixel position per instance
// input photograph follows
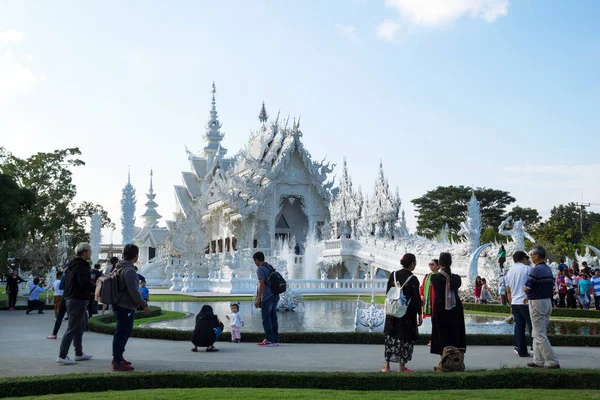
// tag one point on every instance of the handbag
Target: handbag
(396, 302)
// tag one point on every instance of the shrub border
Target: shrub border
(556, 312)
(497, 379)
(100, 325)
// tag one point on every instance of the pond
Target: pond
(338, 316)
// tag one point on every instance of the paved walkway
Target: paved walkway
(25, 351)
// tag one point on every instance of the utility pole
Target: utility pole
(581, 206)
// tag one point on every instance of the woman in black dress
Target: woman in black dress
(448, 320)
(401, 333)
(207, 331)
(12, 288)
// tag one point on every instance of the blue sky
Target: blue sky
(494, 93)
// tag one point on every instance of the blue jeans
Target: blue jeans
(269, 318)
(522, 319)
(124, 318)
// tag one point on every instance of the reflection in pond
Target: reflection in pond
(338, 316)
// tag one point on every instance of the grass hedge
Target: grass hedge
(556, 312)
(100, 325)
(497, 379)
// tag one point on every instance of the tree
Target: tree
(48, 177)
(530, 216)
(448, 204)
(15, 205)
(561, 232)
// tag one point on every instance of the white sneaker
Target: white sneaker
(65, 361)
(83, 357)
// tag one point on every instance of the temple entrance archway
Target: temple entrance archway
(291, 222)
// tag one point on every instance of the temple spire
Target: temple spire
(151, 216)
(263, 117)
(214, 135)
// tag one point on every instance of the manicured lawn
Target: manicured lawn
(164, 316)
(311, 394)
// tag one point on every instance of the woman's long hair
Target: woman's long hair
(446, 261)
(206, 311)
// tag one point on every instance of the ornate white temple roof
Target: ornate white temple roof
(242, 182)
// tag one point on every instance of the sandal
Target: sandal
(385, 369)
(194, 349)
(409, 371)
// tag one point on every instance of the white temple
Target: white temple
(272, 197)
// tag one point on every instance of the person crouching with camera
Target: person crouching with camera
(34, 296)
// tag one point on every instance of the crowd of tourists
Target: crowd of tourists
(529, 290)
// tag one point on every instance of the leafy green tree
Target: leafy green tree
(48, 177)
(491, 235)
(530, 216)
(15, 205)
(448, 204)
(561, 232)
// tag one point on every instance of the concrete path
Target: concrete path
(25, 351)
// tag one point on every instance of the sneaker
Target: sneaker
(40, 312)
(122, 367)
(515, 351)
(125, 362)
(65, 361)
(51, 337)
(557, 366)
(275, 343)
(83, 357)
(265, 343)
(534, 365)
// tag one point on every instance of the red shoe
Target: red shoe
(122, 367)
(265, 343)
(125, 362)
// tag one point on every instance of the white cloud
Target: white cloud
(15, 77)
(388, 30)
(348, 31)
(432, 13)
(11, 36)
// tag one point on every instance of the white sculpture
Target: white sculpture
(96, 236)
(471, 227)
(63, 248)
(517, 233)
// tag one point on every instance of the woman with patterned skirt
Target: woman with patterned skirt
(401, 333)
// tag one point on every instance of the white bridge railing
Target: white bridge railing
(248, 286)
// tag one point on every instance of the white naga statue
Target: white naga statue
(517, 233)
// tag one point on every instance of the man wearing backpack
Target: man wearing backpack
(266, 301)
(78, 286)
(124, 306)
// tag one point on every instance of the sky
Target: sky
(494, 93)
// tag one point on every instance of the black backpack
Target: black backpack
(276, 282)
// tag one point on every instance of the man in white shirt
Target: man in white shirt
(34, 297)
(515, 285)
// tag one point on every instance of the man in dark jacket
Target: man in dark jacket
(128, 300)
(78, 286)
